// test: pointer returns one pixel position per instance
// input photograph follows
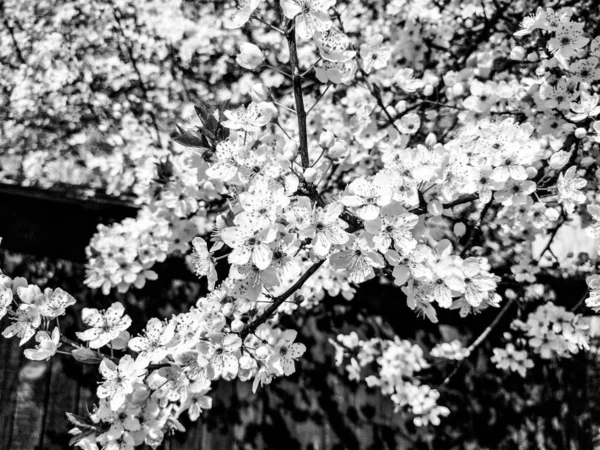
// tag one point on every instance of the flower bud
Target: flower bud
(551, 214)
(227, 309)
(587, 161)
(400, 107)
(531, 172)
(460, 229)
(262, 352)
(559, 159)
(290, 149)
(580, 133)
(237, 325)
(311, 175)
(326, 139)
(458, 89)
(517, 53)
(246, 362)
(339, 150)
(428, 90)
(259, 93)
(250, 56)
(435, 208)
(532, 57)
(431, 140)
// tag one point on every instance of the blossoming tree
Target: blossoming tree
(428, 146)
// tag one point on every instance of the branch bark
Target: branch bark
(298, 97)
(278, 301)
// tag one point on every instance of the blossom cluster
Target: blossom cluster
(550, 332)
(396, 365)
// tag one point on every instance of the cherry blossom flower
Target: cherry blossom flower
(105, 325)
(559, 95)
(221, 352)
(336, 72)
(47, 345)
(262, 377)
(326, 229)
(55, 303)
(368, 196)
(333, 46)
(512, 359)
(585, 70)
(593, 301)
(119, 380)
(568, 39)
(446, 284)
(6, 298)
(242, 14)
(395, 226)
(374, 54)
(250, 56)
(478, 284)
(204, 264)
(533, 22)
(594, 229)
(405, 80)
(250, 119)
(197, 400)
(286, 352)
(193, 363)
(249, 241)
(24, 325)
(310, 16)
(569, 185)
(515, 192)
(408, 123)
(152, 345)
(359, 261)
(587, 107)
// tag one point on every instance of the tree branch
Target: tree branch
(297, 85)
(278, 301)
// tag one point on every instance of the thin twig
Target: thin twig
(477, 225)
(277, 69)
(272, 27)
(480, 339)
(581, 300)
(320, 97)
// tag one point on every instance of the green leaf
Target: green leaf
(86, 356)
(190, 138)
(75, 439)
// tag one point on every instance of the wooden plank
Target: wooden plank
(192, 438)
(9, 381)
(53, 224)
(86, 397)
(221, 436)
(63, 397)
(31, 401)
